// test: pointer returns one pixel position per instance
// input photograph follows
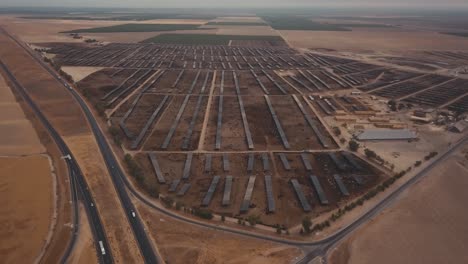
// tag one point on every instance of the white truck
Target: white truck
(103, 250)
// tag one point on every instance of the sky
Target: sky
(233, 3)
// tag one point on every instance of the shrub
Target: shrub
(336, 131)
(370, 153)
(116, 136)
(202, 213)
(253, 219)
(278, 230)
(306, 224)
(167, 201)
(134, 169)
(353, 145)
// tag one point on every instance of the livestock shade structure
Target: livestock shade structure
(156, 168)
(250, 162)
(306, 162)
(352, 160)
(300, 195)
(319, 190)
(338, 161)
(248, 194)
(174, 185)
(269, 193)
(266, 163)
(208, 158)
(187, 166)
(214, 183)
(285, 161)
(227, 191)
(386, 134)
(184, 189)
(341, 185)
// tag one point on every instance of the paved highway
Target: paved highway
(77, 182)
(112, 165)
(314, 249)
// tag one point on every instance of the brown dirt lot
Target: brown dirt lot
(84, 250)
(183, 243)
(379, 40)
(61, 229)
(26, 191)
(18, 135)
(426, 225)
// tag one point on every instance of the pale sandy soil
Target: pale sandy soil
(18, 135)
(25, 214)
(84, 250)
(374, 39)
(183, 243)
(426, 225)
(78, 73)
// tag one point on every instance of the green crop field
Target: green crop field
(236, 24)
(300, 23)
(458, 34)
(136, 28)
(205, 39)
(362, 25)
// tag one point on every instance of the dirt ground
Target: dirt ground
(47, 30)
(84, 250)
(119, 234)
(182, 243)
(27, 207)
(426, 225)
(18, 135)
(64, 114)
(376, 40)
(79, 73)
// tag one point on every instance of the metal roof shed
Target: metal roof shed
(386, 134)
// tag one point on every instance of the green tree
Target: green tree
(306, 224)
(370, 153)
(353, 145)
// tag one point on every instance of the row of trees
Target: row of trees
(370, 194)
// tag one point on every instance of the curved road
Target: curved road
(316, 248)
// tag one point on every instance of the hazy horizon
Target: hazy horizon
(423, 4)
